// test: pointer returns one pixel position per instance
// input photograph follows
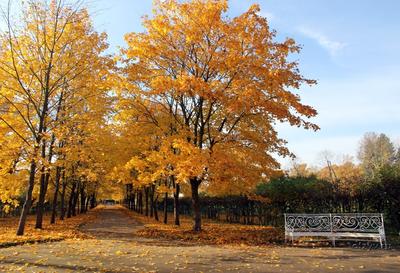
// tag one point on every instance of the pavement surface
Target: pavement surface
(116, 248)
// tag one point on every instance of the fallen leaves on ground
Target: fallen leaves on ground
(61, 230)
(216, 233)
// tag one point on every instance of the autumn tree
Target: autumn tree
(10, 178)
(224, 83)
(51, 62)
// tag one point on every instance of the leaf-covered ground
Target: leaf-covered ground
(217, 233)
(220, 233)
(112, 245)
(67, 229)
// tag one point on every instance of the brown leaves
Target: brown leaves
(219, 234)
(215, 233)
(66, 229)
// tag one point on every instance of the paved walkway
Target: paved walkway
(115, 248)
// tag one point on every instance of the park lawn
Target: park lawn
(61, 230)
(214, 233)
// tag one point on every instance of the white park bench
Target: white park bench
(336, 226)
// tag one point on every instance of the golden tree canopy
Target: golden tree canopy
(224, 83)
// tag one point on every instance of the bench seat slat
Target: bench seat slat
(333, 234)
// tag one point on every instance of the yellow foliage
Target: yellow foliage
(213, 87)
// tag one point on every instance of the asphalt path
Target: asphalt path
(114, 247)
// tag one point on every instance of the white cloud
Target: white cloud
(333, 47)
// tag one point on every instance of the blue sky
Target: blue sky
(352, 47)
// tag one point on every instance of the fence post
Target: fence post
(382, 234)
(284, 215)
(333, 236)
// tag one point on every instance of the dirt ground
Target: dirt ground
(115, 248)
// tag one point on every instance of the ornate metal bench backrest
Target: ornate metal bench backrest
(343, 222)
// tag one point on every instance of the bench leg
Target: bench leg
(382, 242)
(333, 242)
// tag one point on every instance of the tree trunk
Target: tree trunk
(93, 201)
(64, 186)
(44, 181)
(71, 200)
(146, 192)
(45, 176)
(87, 203)
(195, 183)
(151, 200)
(141, 202)
(176, 204)
(136, 201)
(28, 200)
(133, 201)
(165, 208)
(76, 199)
(55, 197)
(83, 199)
(156, 208)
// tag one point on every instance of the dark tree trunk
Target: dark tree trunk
(133, 201)
(55, 197)
(87, 200)
(44, 178)
(71, 200)
(28, 201)
(77, 206)
(129, 196)
(44, 181)
(64, 186)
(176, 204)
(136, 201)
(75, 200)
(146, 192)
(151, 195)
(165, 208)
(83, 199)
(156, 208)
(195, 183)
(93, 201)
(140, 201)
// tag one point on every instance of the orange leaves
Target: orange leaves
(174, 156)
(67, 229)
(347, 177)
(217, 233)
(190, 161)
(217, 87)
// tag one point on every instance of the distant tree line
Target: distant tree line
(373, 185)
